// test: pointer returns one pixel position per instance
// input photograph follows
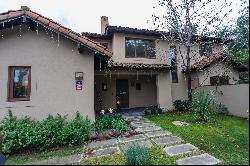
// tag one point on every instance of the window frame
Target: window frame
(11, 97)
(202, 49)
(145, 49)
(174, 70)
(219, 80)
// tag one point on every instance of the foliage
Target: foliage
(182, 105)
(203, 106)
(227, 139)
(137, 155)
(25, 8)
(222, 109)
(111, 122)
(25, 134)
(152, 110)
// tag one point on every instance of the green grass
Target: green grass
(18, 159)
(227, 138)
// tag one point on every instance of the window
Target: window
(19, 83)
(138, 48)
(138, 86)
(173, 57)
(219, 80)
(206, 49)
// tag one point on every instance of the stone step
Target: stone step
(167, 140)
(147, 129)
(145, 143)
(159, 133)
(132, 138)
(142, 125)
(104, 143)
(203, 159)
(103, 152)
(180, 149)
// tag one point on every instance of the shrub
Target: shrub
(222, 109)
(137, 155)
(182, 105)
(25, 134)
(203, 105)
(111, 122)
(152, 110)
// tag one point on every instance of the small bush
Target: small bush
(137, 155)
(203, 106)
(25, 134)
(116, 122)
(153, 110)
(222, 109)
(182, 105)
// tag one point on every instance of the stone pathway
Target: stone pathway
(150, 136)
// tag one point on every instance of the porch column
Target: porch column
(163, 83)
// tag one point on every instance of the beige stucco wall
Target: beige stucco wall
(164, 98)
(202, 78)
(235, 97)
(145, 97)
(52, 74)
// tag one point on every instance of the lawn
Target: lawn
(227, 138)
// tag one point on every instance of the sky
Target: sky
(85, 15)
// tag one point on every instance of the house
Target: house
(46, 68)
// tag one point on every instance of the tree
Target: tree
(25, 8)
(180, 18)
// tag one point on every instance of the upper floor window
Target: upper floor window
(219, 80)
(206, 49)
(19, 83)
(138, 48)
(173, 57)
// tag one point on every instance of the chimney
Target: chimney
(104, 23)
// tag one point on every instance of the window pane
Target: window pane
(174, 76)
(206, 49)
(21, 83)
(150, 49)
(130, 48)
(140, 48)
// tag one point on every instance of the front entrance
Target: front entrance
(122, 93)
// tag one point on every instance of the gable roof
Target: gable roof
(207, 60)
(15, 14)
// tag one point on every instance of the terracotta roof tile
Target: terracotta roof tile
(58, 27)
(207, 60)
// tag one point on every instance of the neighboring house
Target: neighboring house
(46, 68)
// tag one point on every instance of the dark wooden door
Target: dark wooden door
(122, 93)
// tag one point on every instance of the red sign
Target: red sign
(78, 85)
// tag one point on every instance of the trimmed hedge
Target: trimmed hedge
(25, 134)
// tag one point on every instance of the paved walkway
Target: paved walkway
(151, 135)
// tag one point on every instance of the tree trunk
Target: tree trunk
(189, 75)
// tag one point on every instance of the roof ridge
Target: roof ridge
(65, 30)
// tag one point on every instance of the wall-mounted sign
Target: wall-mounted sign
(78, 85)
(78, 75)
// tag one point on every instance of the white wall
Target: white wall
(235, 97)
(52, 74)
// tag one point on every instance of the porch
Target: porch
(131, 91)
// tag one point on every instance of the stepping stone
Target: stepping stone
(179, 123)
(68, 160)
(147, 129)
(146, 143)
(104, 143)
(132, 138)
(142, 124)
(167, 140)
(159, 133)
(204, 159)
(180, 149)
(104, 152)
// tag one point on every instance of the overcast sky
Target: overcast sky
(85, 15)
